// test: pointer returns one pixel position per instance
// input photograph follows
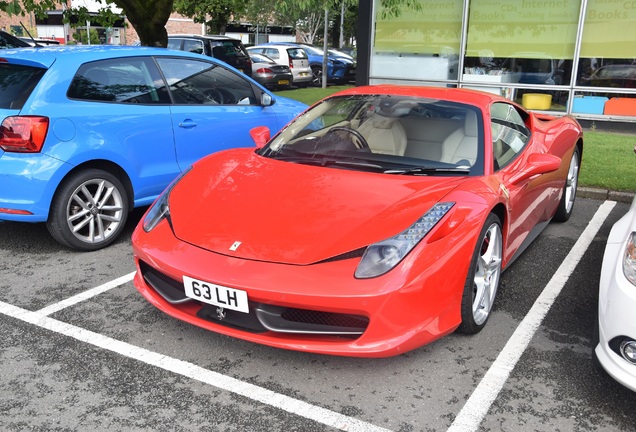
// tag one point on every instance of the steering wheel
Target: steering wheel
(216, 95)
(357, 139)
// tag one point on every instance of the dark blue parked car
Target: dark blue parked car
(88, 133)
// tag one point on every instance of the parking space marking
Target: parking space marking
(86, 295)
(192, 371)
(477, 406)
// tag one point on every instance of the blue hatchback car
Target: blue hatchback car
(88, 133)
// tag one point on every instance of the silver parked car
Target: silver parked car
(270, 74)
(294, 57)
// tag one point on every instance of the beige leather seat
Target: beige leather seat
(385, 135)
(462, 143)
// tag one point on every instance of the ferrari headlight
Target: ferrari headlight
(160, 209)
(381, 257)
(629, 259)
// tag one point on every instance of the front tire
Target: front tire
(569, 189)
(89, 210)
(483, 278)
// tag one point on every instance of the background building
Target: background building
(558, 56)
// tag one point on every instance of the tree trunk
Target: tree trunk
(149, 18)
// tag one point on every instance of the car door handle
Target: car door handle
(187, 124)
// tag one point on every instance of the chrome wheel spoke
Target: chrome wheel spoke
(82, 224)
(487, 270)
(95, 211)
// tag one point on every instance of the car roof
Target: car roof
(213, 37)
(46, 56)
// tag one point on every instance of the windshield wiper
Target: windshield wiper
(427, 170)
(324, 161)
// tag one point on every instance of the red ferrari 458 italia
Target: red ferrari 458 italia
(377, 221)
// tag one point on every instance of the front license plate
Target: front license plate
(217, 295)
(283, 82)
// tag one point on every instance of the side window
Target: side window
(174, 44)
(509, 133)
(125, 80)
(193, 46)
(195, 82)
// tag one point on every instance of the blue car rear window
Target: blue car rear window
(16, 84)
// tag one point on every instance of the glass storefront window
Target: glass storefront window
(527, 42)
(608, 48)
(417, 43)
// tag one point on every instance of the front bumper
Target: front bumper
(402, 311)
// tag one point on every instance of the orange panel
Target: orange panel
(620, 106)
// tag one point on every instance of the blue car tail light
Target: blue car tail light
(23, 134)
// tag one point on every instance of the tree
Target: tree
(148, 17)
(81, 37)
(216, 14)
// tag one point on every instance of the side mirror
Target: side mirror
(260, 135)
(538, 163)
(266, 99)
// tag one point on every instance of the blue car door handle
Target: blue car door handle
(187, 124)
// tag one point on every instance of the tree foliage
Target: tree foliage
(215, 14)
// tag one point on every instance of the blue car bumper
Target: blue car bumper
(27, 185)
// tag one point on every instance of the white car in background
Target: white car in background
(294, 57)
(616, 350)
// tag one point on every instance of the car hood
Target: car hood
(241, 204)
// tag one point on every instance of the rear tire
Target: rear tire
(482, 280)
(89, 210)
(316, 79)
(566, 205)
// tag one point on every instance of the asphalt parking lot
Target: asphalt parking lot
(80, 349)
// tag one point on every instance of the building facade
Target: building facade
(559, 56)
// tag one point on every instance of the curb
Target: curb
(603, 194)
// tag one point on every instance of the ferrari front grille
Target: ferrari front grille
(170, 289)
(305, 321)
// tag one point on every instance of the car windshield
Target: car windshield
(387, 134)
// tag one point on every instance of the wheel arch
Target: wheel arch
(104, 165)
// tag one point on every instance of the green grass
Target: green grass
(609, 161)
(311, 95)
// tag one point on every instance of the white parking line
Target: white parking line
(250, 391)
(86, 295)
(477, 406)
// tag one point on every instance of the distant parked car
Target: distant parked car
(231, 51)
(618, 75)
(39, 42)
(616, 349)
(88, 133)
(340, 70)
(293, 56)
(270, 74)
(7, 40)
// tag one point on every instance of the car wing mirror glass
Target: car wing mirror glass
(266, 99)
